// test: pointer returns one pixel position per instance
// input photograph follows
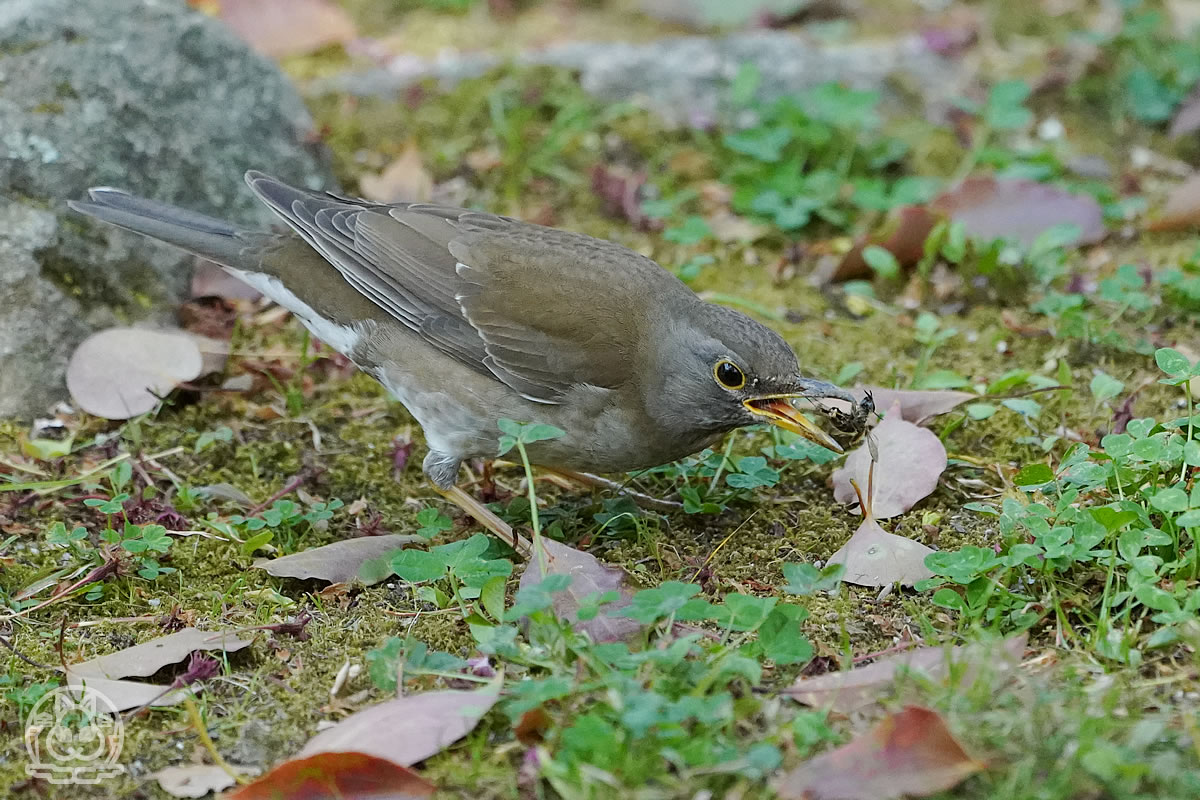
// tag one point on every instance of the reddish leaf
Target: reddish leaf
(1182, 209)
(903, 235)
(853, 689)
(1020, 210)
(346, 776)
(620, 191)
(408, 729)
(588, 576)
(911, 459)
(910, 753)
(279, 28)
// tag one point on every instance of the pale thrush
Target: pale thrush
(468, 318)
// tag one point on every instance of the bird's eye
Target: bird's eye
(729, 375)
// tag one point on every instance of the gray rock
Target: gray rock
(39, 325)
(687, 79)
(146, 95)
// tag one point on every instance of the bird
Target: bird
(468, 318)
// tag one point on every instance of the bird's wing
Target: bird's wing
(532, 306)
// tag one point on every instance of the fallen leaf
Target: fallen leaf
(404, 180)
(903, 235)
(348, 776)
(911, 459)
(226, 491)
(278, 28)
(338, 562)
(149, 657)
(843, 692)
(911, 753)
(408, 729)
(874, 557)
(120, 373)
(588, 576)
(1182, 209)
(619, 189)
(193, 780)
(125, 695)
(918, 405)
(1019, 210)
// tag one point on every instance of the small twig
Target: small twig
(289, 487)
(4, 640)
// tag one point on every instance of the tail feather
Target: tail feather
(205, 236)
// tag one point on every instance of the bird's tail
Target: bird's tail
(205, 236)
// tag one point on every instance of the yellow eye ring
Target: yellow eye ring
(729, 375)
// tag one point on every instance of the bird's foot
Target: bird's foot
(485, 517)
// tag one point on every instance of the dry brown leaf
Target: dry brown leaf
(408, 729)
(149, 657)
(120, 373)
(278, 28)
(193, 780)
(911, 459)
(588, 576)
(1019, 210)
(125, 695)
(911, 753)
(405, 180)
(1182, 209)
(843, 692)
(338, 562)
(347, 776)
(903, 235)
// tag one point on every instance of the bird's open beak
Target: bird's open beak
(777, 409)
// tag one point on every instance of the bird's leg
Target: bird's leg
(642, 499)
(484, 516)
(442, 471)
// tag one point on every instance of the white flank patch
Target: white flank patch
(342, 338)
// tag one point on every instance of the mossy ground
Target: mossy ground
(273, 695)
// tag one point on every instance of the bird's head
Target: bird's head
(721, 370)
